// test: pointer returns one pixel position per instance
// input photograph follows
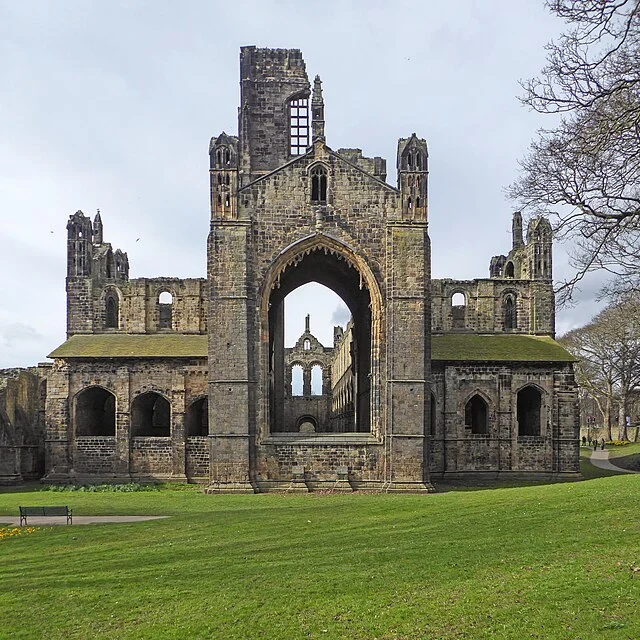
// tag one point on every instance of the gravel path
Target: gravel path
(35, 521)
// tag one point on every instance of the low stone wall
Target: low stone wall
(151, 456)
(320, 458)
(95, 454)
(197, 457)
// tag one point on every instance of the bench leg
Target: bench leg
(23, 520)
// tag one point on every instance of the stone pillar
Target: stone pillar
(57, 424)
(123, 422)
(230, 392)
(409, 356)
(178, 437)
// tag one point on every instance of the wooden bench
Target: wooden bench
(45, 511)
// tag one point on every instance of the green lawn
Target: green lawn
(550, 561)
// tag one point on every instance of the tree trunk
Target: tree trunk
(607, 417)
(622, 418)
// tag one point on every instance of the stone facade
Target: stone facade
(189, 379)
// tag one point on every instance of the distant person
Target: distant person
(584, 441)
(595, 444)
(602, 445)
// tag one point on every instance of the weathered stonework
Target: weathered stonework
(189, 379)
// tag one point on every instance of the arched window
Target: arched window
(316, 380)
(297, 380)
(318, 185)
(458, 310)
(227, 157)
(418, 161)
(509, 270)
(476, 416)
(299, 125)
(197, 418)
(111, 311)
(165, 310)
(306, 345)
(509, 309)
(529, 405)
(151, 415)
(95, 413)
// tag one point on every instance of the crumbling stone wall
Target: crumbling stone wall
(21, 429)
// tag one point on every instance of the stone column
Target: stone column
(409, 356)
(230, 392)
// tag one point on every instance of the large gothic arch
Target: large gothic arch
(324, 259)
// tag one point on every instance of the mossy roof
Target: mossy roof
(124, 345)
(456, 347)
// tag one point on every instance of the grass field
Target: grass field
(550, 561)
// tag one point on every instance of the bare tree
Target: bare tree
(585, 173)
(608, 349)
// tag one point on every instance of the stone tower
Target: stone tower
(300, 212)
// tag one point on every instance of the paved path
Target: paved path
(35, 521)
(600, 459)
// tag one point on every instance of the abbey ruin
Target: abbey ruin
(190, 379)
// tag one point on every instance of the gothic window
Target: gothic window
(111, 311)
(318, 185)
(475, 416)
(307, 345)
(299, 125)
(418, 161)
(316, 380)
(297, 380)
(226, 179)
(227, 157)
(509, 308)
(165, 311)
(529, 404)
(509, 270)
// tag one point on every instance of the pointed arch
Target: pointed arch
(529, 410)
(476, 414)
(319, 177)
(324, 259)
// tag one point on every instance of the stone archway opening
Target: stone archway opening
(349, 381)
(150, 416)
(95, 412)
(529, 409)
(197, 418)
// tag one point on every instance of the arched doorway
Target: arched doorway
(329, 263)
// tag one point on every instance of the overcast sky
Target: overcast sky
(111, 105)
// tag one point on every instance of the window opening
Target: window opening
(111, 312)
(318, 185)
(197, 418)
(475, 416)
(165, 310)
(299, 125)
(316, 380)
(227, 157)
(509, 313)
(418, 162)
(509, 270)
(529, 405)
(95, 412)
(297, 380)
(151, 415)
(307, 345)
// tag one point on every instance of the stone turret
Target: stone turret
(412, 164)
